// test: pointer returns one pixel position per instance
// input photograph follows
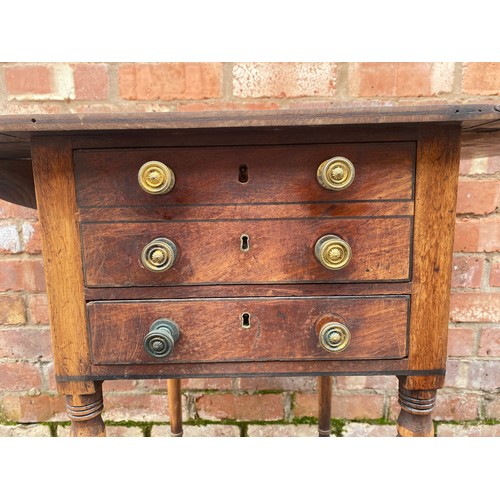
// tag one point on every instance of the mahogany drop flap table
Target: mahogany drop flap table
(306, 243)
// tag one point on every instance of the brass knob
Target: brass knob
(333, 252)
(336, 173)
(156, 178)
(334, 337)
(159, 255)
(161, 338)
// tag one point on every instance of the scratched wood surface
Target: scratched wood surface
(279, 251)
(244, 174)
(275, 329)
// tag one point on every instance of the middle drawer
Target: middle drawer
(247, 251)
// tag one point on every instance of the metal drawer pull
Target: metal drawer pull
(336, 174)
(332, 252)
(334, 337)
(161, 338)
(159, 255)
(156, 178)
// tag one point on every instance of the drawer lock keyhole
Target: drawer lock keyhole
(243, 176)
(245, 320)
(244, 242)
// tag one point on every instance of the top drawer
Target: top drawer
(244, 174)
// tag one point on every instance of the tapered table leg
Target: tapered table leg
(324, 406)
(85, 410)
(175, 405)
(415, 418)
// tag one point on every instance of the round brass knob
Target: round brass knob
(161, 338)
(156, 178)
(334, 337)
(336, 173)
(333, 252)
(159, 255)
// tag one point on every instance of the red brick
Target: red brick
(478, 196)
(26, 343)
(225, 106)
(475, 307)
(205, 383)
(32, 237)
(456, 373)
(12, 310)
(120, 385)
(11, 211)
(467, 271)
(31, 108)
(460, 342)
(280, 80)
(136, 407)
(452, 406)
(38, 309)
(489, 343)
(466, 236)
(391, 79)
(22, 275)
(91, 81)
(495, 273)
(167, 81)
(40, 408)
(376, 382)
(348, 406)
(19, 377)
(484, 375)
(244, 407)
(302, 384)
(492, 406)
(481, 78)
(477, 235)
(28, 79)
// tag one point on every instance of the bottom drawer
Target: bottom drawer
(250, 329)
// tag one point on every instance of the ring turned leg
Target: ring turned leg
(324, 406)
(85, 410)
(415, 417)
(175, 405)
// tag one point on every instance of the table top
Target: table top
(480, 123)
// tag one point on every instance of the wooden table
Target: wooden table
(312, 242)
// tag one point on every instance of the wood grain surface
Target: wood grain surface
(277, 330)
(435, 208)
(280, 251)
(274, 174)
(56, 200)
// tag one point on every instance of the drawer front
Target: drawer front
(274, 329)
(247, 251)
(271, 174)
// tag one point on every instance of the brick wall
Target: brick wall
(470, 402)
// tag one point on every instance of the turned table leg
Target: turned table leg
(85, 410)
(175, 405)
(415, 418)
(324, 406)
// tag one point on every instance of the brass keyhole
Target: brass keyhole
(244, 242)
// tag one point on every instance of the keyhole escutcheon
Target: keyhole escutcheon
(245, 320)
(244, 242)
